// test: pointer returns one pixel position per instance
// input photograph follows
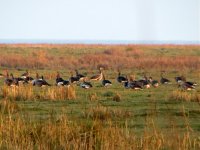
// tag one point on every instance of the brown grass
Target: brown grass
(185, 96)
(33, 93)
(130, 56)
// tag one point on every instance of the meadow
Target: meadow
(165, 117)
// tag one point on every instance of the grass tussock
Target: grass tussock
(117, 97)
(34, 93)
(93, 97)
(7, 106)
(103, 113)
(185, 96)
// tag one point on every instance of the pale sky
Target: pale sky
(171, 20)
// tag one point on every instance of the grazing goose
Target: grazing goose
(164, 80)
(120, 78)
(186, 86)
(105, 82)
(98, 77)
(154, 83)
(60, 81)
(193, 84)
(73, 79)
(133, 84)
(143, 82)
(86, 85)
(79, 76)
(180, 79)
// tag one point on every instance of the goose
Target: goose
(28, 79)
(25, 75)
(15, 81)
(143, 82)
(8, 81)
(79, 76)
(73, 79)
(154, 83)
(133, 84)
(60, 81)
(40, 81)
(105, 82)
(180, 79)
(186, 86)
(121, 79)
(86, 85)
(164, 80)
(193, 84)
(97, 77)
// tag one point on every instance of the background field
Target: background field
(145, 119)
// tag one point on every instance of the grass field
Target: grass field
(100, 118)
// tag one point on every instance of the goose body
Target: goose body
(61, 82)
(179, 79)
(120, 78)
(154, 83)
(25, 75)
(186, 86)
(86, 85)
(97, 77)
(105, 82)
(80, 77)
(40, 82)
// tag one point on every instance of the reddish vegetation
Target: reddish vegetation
(128, 56)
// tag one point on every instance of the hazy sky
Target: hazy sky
(100, 19)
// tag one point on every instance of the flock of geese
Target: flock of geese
(86, 83)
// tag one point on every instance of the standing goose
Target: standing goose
(79, 76)
(105, 82)
(15, 81)
(60, 81)
(8, 81)
(25, 75)
(164, 80)
(121, 79)
(97, 77)
(73, 79)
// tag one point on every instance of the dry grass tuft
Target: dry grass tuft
(34, 93)
(117, 97)
(93, 97)
(185, 96)
(7, 106)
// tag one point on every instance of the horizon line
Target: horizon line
(81, 41)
